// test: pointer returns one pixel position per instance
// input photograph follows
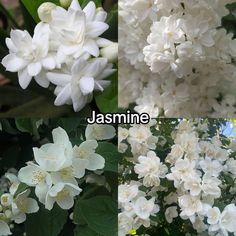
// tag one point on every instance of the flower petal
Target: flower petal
(94, 29)
(89, 11)
(91, 47)
(63, 96)
(58, 78)
(96, 162)
(13, 63)
(34, 68)
(86, 85)
(24, 78)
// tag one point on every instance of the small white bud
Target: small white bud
(45, 11)
(8, 214)
(65, 3)
(110, 52)
(6, 199)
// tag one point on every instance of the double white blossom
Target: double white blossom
(61, 52)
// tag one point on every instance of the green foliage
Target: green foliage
(107, 101)
(46, 223)
(111, 155)
(83, 3)
(100, 215)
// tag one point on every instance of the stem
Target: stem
(9, 16)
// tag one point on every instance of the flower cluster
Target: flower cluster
(193, 182)
(14, 206)
(64, 51)
(54, 175)
(175, 58)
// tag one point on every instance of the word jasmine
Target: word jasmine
(119, 118)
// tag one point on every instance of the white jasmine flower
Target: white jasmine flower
(14, 182)
(78, 87)
(193, 184)
(127, 192)
(151, 169)
(227, 218)
(63, 194)
(190, 205)
(100, 132)
(86, 158)
(125, 224)
(171, 213)
(29, 56)
(34, 176)
(213, 216)
(77, 31)
(22, 205)
(144, 208)
(211, 167)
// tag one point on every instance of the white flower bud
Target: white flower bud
(45, 11)
(110, 52)
(8, 214)
(65, 3)
(6, 199)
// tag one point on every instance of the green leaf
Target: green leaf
(21, 188)
(84, 231)
(26, 125)
(110, 153)
(46, 223)
(107, 102)
(100, 213)
(33, 5)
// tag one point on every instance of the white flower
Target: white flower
(86, 158)
(63, 194)
(124, 224)
(77, 85)
(34, 176)
(100, 132)
(45, 11)
(182, 170)
(231, 166)
(77, 31)
(211, 167)
(14, 182)
(151, 169)
(227, 218)
(144, 208)
(193, 184)
(213, 215)
(6, 199)
(127, 192)
(29, 56)
(210, 185)
(171, 213)
(22, 205)
(4, 228)
(190, 205)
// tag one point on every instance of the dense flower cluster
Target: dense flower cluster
(55, 174)
(195, 181)
(64, 51)
(175, 59)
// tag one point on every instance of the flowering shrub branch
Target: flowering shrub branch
(177, 177)
(67, 50)
(64, 176)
